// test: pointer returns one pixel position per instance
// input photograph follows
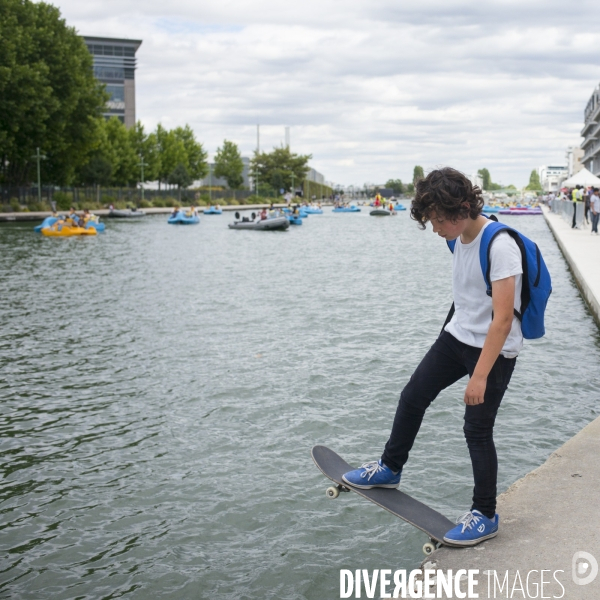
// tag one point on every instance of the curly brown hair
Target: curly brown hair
(447, 192)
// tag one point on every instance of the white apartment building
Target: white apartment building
(552, 176)
(574, 156)
(590, 133)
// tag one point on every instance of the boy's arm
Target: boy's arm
(503, 303)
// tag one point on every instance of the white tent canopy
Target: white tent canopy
(584, 177)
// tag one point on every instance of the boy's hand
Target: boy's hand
(475, 390)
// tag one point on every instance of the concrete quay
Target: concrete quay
(551, 514)
(581, 250)
(545, 519)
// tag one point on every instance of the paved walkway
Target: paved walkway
(581, 249)
(553, 512)
(546, 517)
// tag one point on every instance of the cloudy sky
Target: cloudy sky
(369, 88)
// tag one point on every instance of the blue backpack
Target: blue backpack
(536, 287)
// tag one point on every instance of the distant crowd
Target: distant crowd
(589, 195)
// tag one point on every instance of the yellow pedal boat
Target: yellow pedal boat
(64, 230)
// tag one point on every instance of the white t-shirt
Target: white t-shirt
(595, 203)
(472, 306)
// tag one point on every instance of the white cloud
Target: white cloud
(370, 89)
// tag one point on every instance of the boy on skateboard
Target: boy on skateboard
(482, 340)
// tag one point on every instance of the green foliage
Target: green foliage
(195, 156)
(98, 171)
(145, 147)
(15, 205)
(63, 200)
(534, 182)
(488, 184)
(229, 165)
(266, 191)
(418, 174)
(49, 97)
(396, 185)
(179, 176)
(486, 178)
(410, 188)
(277, 167)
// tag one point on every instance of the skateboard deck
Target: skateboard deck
(431, 522)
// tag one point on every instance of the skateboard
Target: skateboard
(429, 521)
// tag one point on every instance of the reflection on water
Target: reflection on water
(162, 387)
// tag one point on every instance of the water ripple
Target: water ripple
(162, 388)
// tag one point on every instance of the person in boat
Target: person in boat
(481, 339)
(263, 215)
(191, 212)
(296, 211)
(175, 211)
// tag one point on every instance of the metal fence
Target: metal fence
(565, 208)
(28, 196)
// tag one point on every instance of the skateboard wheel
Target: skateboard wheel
(428, 548)
(332, 492)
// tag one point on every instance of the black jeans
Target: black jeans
(447, 361)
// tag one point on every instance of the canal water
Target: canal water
(162, 388)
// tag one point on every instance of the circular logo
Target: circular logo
(585, 568)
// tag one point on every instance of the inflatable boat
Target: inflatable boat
(134, 213)
(380, 212)
(212, 211)
(264, 225)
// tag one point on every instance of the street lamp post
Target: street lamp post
(39, 157)
(142, 164)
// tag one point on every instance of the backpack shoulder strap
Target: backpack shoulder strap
(451, 244)
(489, 234)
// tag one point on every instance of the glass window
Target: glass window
(117, 93)
(108, 73)
(129, 51)
(118, 50)
(108, 50)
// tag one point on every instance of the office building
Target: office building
(114, 65)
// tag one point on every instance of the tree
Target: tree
(125, 161)
(195, 162)
(180, 177)
(98, 171)
(229, 165)
(487, 184)
(534, 182)
(49, 97)
(486, 178)
(171, 150)
(280, 168)
(396, 185)
(418, 174)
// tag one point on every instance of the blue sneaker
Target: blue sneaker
(472, 528)
(372, 474)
